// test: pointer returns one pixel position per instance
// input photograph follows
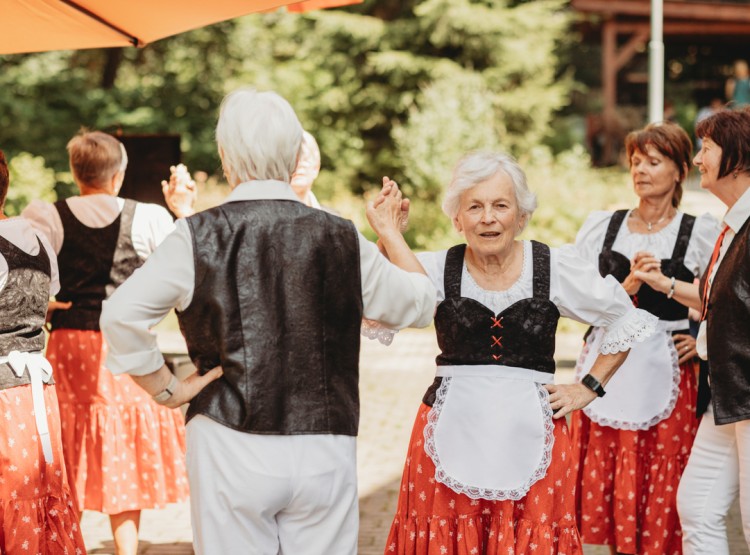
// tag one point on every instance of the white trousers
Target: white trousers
(257, 494)
(718, 468)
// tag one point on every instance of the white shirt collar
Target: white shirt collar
(737, 215)
(262, 190)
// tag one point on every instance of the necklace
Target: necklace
(650, 225)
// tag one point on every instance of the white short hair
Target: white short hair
(259, 135)
(476, 167)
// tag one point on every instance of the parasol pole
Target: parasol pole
(656, 63)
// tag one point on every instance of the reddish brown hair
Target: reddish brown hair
(95, 157)
(730, 129)
(671, 141)
(4, 179)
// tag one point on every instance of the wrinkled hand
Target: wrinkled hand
(643, 263)
(191, 386)
(180, 191)
(685, 346)
(566, 398)
(389, 212)
(56, 305)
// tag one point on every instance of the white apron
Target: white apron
(490, 430)
(644, 390)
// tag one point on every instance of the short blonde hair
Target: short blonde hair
(95, 157)
(476, 167)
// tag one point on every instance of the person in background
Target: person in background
(37, 512)
(270, 295)
(308, 168)
(632, 446)
(738, 86)
(123, 451)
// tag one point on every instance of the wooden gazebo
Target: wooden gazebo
(625, 31)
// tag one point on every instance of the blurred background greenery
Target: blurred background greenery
(390, 87)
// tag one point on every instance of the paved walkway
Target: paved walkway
(392, 383)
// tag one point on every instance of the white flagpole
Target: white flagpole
(656, 63)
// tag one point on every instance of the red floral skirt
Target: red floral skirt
(627, 480)
(123, 451)
(36, 505)
(432, 519)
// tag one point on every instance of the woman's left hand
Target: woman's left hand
(389, 212)
(685, 345)
(566, 398)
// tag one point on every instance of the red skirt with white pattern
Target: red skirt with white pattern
(36, 504)
(123, 451)
(432, 519)
(627, 480)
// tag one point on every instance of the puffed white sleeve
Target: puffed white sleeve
(581, 293)
(151, 225)
(590, 237)
(705, 232)
(44, 217)
(392, 298)
(165, 281)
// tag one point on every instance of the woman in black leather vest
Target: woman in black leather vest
(632, 447)
(36, 504)
(720, 459)
(487, 468)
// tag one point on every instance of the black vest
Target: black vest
(618, 265)
(728, 332)
(278, 304)
(23, 306)
(469, 333)
(93, 263)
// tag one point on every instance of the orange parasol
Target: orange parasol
(40, 25)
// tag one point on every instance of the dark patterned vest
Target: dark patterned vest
(618, 265)
(728, 331)
(23, 306)
(93, 263)
(278, 304)
(469, 333)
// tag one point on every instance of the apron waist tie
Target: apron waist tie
(40, 371)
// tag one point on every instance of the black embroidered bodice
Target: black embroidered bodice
(469, 333)
(93, 263)
(618, 265)
(23, 305)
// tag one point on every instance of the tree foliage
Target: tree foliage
(389, 87)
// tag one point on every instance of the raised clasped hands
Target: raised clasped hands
(180, 191)
(644, 268)
(389, 212)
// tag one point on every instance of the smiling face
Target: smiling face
(489, 216)
(654, 174)
(708, 162)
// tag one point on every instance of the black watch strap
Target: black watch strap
(594, 385)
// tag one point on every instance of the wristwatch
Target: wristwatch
(594, 385)
(163, 396)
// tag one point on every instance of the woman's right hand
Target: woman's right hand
(643, 263)
(180, 191)
(56, 305)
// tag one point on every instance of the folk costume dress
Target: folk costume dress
(36, 504)
(123, 451)
(632, 445)
(488, 469)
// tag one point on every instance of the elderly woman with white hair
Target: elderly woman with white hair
(488, 466)
(270, 295)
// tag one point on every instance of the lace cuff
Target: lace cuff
(635, 326)
(375, 330)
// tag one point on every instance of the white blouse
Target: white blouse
(151, 222)
(20, 232)
(590, 240)
(576, 289)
